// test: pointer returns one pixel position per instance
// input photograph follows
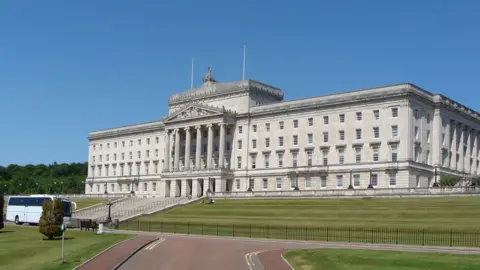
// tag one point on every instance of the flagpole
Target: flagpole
(244, 55)
(191, 78)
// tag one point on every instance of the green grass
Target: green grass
(86, 202)
(24, 248)
(351, 259)
(458, 213)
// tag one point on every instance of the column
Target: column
(184, 189)
(221, 147)
(410, 132)
(206, 185)
(170, 163)
(166, 161)
(173, 188)
(210, 146)
(437, 138)
(219, 187)
(198, 152)
(177, 150)
(453, 146)
(475, 153)
(187, 148)
(461, 153)
(469, 149)
(194, 188)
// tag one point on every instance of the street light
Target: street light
(110, 204)
(370, 185)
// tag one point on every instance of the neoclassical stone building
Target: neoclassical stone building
(235, 136)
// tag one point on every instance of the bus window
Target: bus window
(67, 209)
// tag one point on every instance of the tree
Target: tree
(51, 219)
(448, 181)
(1, 210)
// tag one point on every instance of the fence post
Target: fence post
(250, 230)
(174, 227)
(349, 234)
(202, 228)
(451, 237)
(268, 231)
(423, 237)
(306, 232)
(286, 233)
(327, 234)
(396, 238)
(150, 226)
(161, 226)
(217, 229)
(372, 235)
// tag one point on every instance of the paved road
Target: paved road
(176, 252)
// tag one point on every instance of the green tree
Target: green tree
(448, 181)
(1, 211)
(51, 219)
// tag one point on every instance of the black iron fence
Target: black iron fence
(427, 237)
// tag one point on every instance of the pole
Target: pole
(63, 244)
(191, 79)
(244, 55)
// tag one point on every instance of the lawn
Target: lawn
(86, 202)
(23, 247)
(352, 259)
(458, 213)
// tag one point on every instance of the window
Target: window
(358, 133)
(139, 154)
(280, 124)
(129, 169)
(341, 156)
(325, 137)
(294, 159)
(310, 122)
(148, 140)
(228, 146)
(358, 155)
(267, 161)
(254, 143)
(93, 159)
(123, 143)
(417, 181)
(156, 152)
(325, 157)
(415, 114)
(342, 118)
(267, 126)
(295, 140)
(309, 158)
(375, 153)
(428, 136)
(310, 138)
(279, 183)
(154, 186)
(115, 144)
(280, 141)
(139, 141)
(237, 184)
(254, 128)
(254, 162)
(267, 142)
(293, 182)
(339, 180)
(416, 133)
(240, 129)
(131, 155)
(148, 153)
(280, 160)
(157, 140)
(393, 179)
(394, 152)
(106, 170)
(395, 112)
(145, 185)
(308, 182)
(356, 180)
(376, 132)
(155, 168)
(239, 143)
(112, 187)
(376, 114)
(323, 180)
(295, 123)
(108, 157)
(265, 183)
(374, 180)
(251, 183)
(101, 146)
(94, 147)
(394, 131)
(325, 120)
(359, 116)
(100, 158)
(428, 118)
(131, 142)
(114, 157)
(341, 135)
(239, 162)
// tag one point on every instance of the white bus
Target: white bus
(28, 209)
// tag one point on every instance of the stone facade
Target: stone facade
(236, 136)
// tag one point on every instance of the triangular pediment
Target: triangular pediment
(194, 111)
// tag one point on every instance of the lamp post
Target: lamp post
(370, 185)
(435, 184)
(350, 186)
(110, 204)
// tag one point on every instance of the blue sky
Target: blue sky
(70, 67)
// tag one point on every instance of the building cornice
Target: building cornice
(127, 130)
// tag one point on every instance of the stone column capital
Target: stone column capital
(187, 128)
(198, 127)
(209, 125)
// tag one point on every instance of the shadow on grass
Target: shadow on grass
(59, 239)
(6, 232)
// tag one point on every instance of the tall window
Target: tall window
(131, 155)
(395, 112)
(254, 162)
(358, 134)
(310, 138)
(280, 141)
(376, 114)
(374, 180)
(325, 157)
(115, 157)
(147, 168)
(239, 162)
(254, 143)
(308, 183)
(157, 140)
(267, 126)
(154, 186)
(265, 183)
(341, 135)
(358, 154)
(237, 183)
(156, 152)
(393, 179)
(375, 153)
(309, 158)
(267, 142)
(295, 140)
(341, 156)
(325, 137)
(341, 118)
(115, 144)
(376, 132)
(139, 154)
(155, 168)
(251, 183)
(325, 120)
(123, 143)
(145, 187)
(394, 152)
(148, 140)
(240, 130)
(267, 161)
(294, 159)
(323, 180)
(279, 183)
(394, 131)
(295, 123)
(280, 160)
(139, 141)
(148, 153)
(356, 180)
(310, 122)
(280, 124)
(239, 143)
(254, 128)
(359, 116)
(339, 180)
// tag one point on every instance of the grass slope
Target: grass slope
(23, 248)
(459, 213)
(86, 202)
(351, 259)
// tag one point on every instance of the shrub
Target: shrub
(1, 211)
(448, 181)
(51, 219)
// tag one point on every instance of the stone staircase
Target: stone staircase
(130, 208)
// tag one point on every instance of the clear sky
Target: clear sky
(70, 67)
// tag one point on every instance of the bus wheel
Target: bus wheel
(17, 220)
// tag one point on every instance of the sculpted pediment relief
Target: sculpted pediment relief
(193, 112)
